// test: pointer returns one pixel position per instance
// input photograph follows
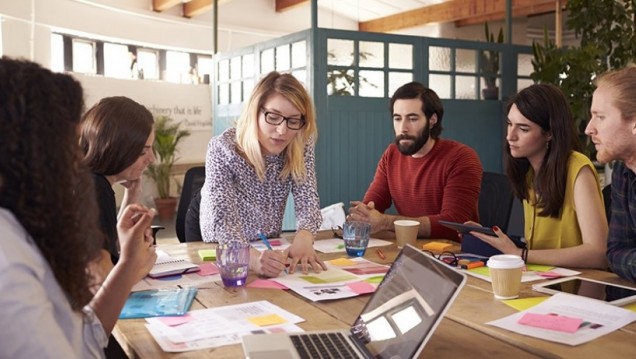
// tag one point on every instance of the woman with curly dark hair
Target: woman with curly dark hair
(49, 238)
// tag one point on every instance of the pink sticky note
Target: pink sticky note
(552, 322)
(208, 269)
(275, 242)
(549, 274)
(361, 287)
(265, 283)
(174, 321)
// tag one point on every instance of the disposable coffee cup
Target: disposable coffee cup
(505, 272)
(406, 232)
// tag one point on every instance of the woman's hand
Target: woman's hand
(267, 263)
(502, 242)
(302, 251)
(135, 240)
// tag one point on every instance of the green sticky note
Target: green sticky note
(207, 254)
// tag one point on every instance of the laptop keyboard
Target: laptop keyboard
(322, 346)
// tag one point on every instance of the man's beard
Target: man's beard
(417, 144)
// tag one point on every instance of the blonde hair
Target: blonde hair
(247, 125)
(623, 84)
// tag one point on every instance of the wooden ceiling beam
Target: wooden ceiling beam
(520, 12)
(454, 10)
(162, 5)
(282, 5)
(197, 7)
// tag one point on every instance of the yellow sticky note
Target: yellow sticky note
(265, 320)
(436, 246)
(207, 254)
(631, 307)
(538, 268)
(342, 262)
(524, 303)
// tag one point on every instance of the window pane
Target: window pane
(57, 52)
(235, 68)
(178, 67)
(301, 75)
(465, 60)
(224, 94)
(148, 64)
(248, 65)
(299, 54)
(267, 61)
(282, 58)
(340, 82)
(524, 63)
(236, 92)
(465, 87)
(204, 67)
(248, 86)
(439, 58)
(440, 84)
(83, 56)
(340, 52)
(371, 54)
(397, 79)
(117, 61)
(371, 83)
(224, 70)
(523, 83)
(401, 56)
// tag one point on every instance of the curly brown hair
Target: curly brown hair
(42, 180)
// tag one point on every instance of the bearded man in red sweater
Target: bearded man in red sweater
(427, 178)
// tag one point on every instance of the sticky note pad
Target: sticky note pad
(174, 321)
(342, 262)
(207, 254)
(524, 303)
(559, 323)
(436, 246)
(265, 320)
(361, 287)
(207, 269)
(266, 283)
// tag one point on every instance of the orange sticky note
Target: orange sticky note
(342, 262)
(265, 320)
(436, 246)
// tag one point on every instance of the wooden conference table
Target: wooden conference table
(462, 333)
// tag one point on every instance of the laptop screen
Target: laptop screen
(407, 306)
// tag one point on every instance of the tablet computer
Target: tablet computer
(467, 228)
(608, 292)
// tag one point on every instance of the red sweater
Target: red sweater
(444, 184)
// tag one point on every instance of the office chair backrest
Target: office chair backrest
(192, 183)
(495, 200)
(607, 201)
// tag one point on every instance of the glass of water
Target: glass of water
(356, 237)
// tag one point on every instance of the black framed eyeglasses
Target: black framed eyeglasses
(447, 257)
(293, 123)
(337, 231)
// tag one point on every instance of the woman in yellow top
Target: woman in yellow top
(565, 223)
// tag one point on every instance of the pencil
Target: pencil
(380, 254)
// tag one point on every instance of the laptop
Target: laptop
(397, 321)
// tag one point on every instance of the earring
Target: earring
(547, 145)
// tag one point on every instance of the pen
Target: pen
(269, 246)
(380, 254)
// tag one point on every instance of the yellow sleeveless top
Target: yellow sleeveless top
(562, 232)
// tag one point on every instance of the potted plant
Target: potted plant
(489, 65)
(167, 137)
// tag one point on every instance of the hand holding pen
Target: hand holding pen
(271, 262)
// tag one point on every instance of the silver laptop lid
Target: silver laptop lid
(408, 305)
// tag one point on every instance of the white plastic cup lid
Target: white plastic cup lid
(504, 261)
(406, 222)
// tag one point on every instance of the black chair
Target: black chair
(607, 201)
(192, 183)
(495, 206)
(495, 200)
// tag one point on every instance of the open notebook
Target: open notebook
(397, 321)
(167, 265)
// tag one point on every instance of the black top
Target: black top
(107, 214)
(192, 228)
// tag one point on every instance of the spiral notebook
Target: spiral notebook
(167, 265)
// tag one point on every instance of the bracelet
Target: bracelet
(524, 254)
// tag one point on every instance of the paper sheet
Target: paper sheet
(335, 245)
(599, 319)
(532, 273)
